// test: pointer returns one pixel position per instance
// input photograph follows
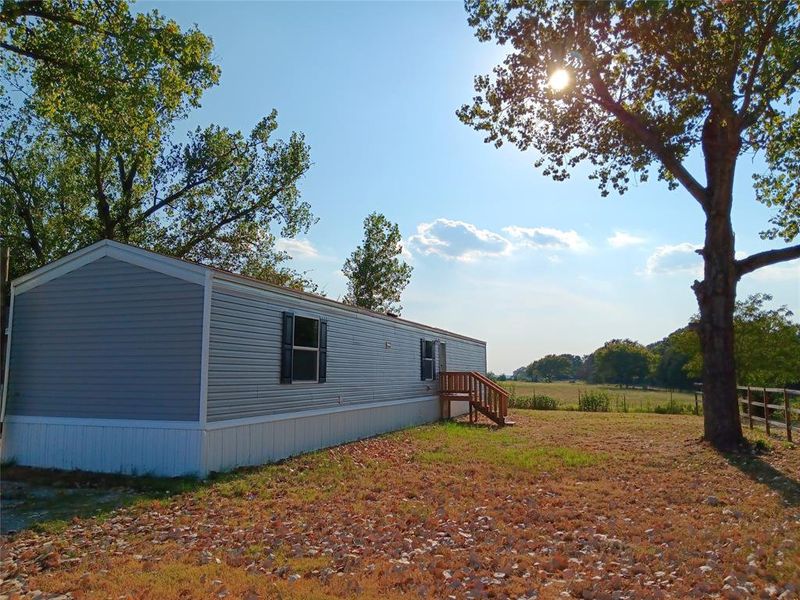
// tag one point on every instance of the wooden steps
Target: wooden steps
(484, 395)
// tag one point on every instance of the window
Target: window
(305, 349)
(426, 359)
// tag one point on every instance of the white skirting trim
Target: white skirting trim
(259, 443)
(142, 448)
(104, 449)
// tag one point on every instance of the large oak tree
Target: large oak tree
(92, 94)
(648, 85)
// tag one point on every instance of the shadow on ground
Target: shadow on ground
(49, 499)
(761, 471)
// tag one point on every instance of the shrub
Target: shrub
(535, 402)
(594, 401)
(762, 447)
(673, 408)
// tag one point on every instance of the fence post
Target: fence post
(749, 407)
(788, 412)
(696, 405)
(766, 412)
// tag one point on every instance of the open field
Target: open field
(564, 504)
(636, 399)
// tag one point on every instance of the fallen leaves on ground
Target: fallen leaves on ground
(594, 506)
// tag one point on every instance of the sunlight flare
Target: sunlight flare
(559, 79)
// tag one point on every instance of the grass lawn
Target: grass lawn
(564, 504)
(636, 400)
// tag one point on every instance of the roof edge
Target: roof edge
(193, 272)
(109, 248)
(263, 285)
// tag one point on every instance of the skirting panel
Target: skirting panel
(259, 443)
(168, 449)
(104, 449)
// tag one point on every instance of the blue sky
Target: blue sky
(499, 251)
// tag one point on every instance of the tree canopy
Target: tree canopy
(554, 367)
(632, 89)
(376, 275)
(767, 344)
(90, 151)
(671, 360)
(624, 362)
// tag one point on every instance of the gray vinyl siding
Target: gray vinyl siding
(244, 356)
(108, 340)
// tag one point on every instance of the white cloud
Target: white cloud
(621, 239)
(672, 259)
(297, 248)
(458, 240)
(546, 238)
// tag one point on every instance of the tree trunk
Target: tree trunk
(716, 297)
(716, 294)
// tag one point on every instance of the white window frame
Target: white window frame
(294, 331)
(432, 359)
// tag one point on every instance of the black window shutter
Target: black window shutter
(286, 347)
(323, 351)
(422, 359)
(435, 361)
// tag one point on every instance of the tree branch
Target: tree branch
(206, 233)
(35, 8)
(649, 139)
(171, 198)
(24, 213)
(763, 42)
(177, 195)
(46, 58)
(103, 208)
(766, 258)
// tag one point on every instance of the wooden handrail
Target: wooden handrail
(489, 397)
(489, 382)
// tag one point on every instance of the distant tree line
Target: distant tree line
(767, 354)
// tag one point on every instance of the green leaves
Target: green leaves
(554, 367)
(90, 152)
(623, 361)
(377, 277)
(767, 344)
(779, 186)
(645, 76)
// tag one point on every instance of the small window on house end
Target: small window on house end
(305, 349)
(427, 359)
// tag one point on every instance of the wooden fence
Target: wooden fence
(768, 403)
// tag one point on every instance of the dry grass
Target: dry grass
(563, 503)
(636, 400)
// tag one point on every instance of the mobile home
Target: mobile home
(124, 360)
